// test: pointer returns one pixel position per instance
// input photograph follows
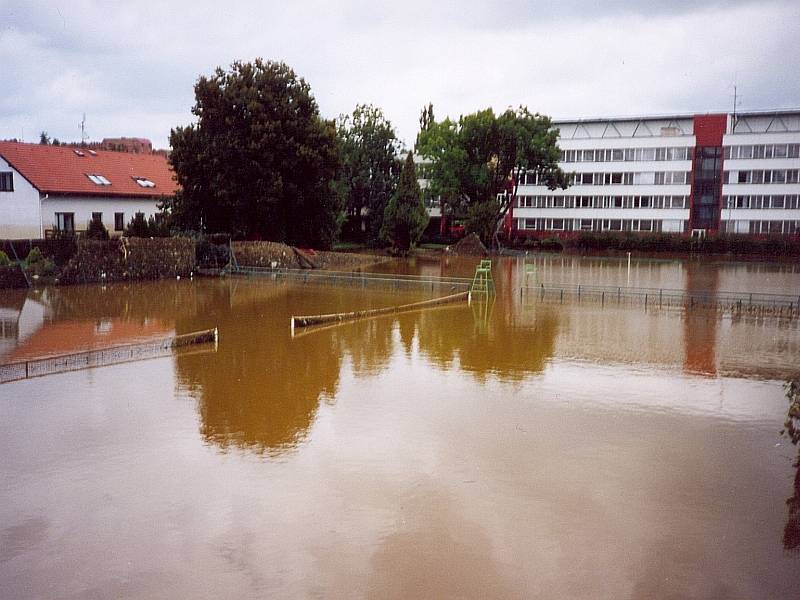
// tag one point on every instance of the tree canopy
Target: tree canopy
(474, 161)
(368, 149)
(259, 162)
(405, 216)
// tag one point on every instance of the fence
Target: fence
(780, 305)
(102, 357)
(355, 278)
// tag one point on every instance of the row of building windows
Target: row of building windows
(591, 224)
(790, 227)
(762, 201)
(764, 227)
(626, 154)
(659, 178)
(65, 221)
(603, 202)
(762, 176)
(763, 151)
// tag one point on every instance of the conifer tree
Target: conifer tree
(405, 217)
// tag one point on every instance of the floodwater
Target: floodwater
(515, 449)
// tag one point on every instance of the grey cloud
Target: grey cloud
(132, 66)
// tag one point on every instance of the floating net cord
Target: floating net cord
(337, 318)
(104, 356)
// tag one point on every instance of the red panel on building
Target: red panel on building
(709, 129)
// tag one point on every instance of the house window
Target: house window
(65, 221)
(98, 179)
(97, 216)
(146, 183)
(119, 221)
(7, 181)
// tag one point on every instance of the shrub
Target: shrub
(209, 254)
(34, 257)
(137, 227)
(96, 230)
(38, 264)
(4, 260)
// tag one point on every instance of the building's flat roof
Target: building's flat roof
(676, 116)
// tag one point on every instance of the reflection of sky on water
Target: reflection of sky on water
(574, 450)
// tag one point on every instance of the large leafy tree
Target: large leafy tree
(405, 216)
(476, 160)
(259, 162)
(368, 177)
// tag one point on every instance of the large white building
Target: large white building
(46, 190)
(676, 173)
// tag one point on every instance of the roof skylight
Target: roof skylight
(98, 179)
(144, 182)
(79, 153)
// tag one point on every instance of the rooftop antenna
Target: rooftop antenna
(83, 130)
(736, 101)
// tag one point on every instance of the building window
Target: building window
(65, 221)
(6, 181)
(98, 179)
(97, 216)
(119, 221)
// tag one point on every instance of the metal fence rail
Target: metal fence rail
(736, 302)
(353, 278)
(102, 357)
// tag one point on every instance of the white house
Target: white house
(47, 189)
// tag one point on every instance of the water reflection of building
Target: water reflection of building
(21, 316)
(699, 326)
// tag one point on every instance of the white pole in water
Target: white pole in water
(629, 269)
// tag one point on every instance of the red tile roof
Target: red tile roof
(59, 170)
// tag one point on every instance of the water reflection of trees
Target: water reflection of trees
(500, 347)
(261, 390)
(791, 533)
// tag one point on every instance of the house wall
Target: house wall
(19, 210)
(84, 206)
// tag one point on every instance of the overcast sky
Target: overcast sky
(131, 66)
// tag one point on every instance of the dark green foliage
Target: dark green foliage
(152, 227)
(259, 162)
(405, 217)
(474, 159)
(44, 139)
(96, 230)
(4, 260)
(34, 256)
(38, 264)
(137, 227)
(670, 242)
(368, 177)
(210, 254)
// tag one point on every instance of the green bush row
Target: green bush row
(666, 242)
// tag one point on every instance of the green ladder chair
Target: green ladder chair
(483, 282)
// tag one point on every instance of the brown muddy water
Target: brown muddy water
(512, 450)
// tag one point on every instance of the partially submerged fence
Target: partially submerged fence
(104, 356)
(780, 305)
(356, 278)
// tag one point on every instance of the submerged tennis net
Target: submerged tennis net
(101, 357)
